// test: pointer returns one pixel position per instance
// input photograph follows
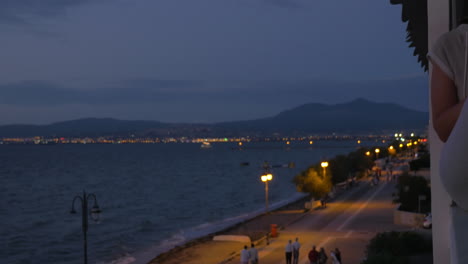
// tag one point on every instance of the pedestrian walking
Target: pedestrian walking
(253, 255)
(288, 250)
(296, 246)
(245, 256)
(338, 254)
(313, 256)
(322, 256)
(334, 259)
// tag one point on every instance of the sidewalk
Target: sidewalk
(207, 251)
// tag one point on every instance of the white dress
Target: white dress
(450, 53)
(333, 258)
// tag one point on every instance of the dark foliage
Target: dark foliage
(394, 247)
(354, 164)
(409, 188)
(423, 162)
(415, 13)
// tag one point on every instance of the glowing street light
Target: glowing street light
(368, 153)
(266, 178)
(377, 151)
(324, 165)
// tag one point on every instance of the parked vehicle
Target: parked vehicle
(427, 223)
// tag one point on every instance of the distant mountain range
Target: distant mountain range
(355, 117)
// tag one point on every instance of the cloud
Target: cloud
(195, 101)
(285, 3)
(182, 92)
(21, 11)
(37, 93)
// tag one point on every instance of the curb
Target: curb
(258, 241)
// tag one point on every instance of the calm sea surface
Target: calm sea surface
(153, 197)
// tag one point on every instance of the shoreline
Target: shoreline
(241, 228)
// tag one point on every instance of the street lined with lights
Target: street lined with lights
(348, 223)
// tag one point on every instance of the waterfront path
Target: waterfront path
(348, 223)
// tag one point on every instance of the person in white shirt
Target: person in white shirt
(296, 246)
(245, 256)
(288, 250)
(253, 255)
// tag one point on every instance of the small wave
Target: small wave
(127, 259)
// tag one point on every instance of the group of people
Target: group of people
(250, 256)
(315, 257)
(321, 257)
(292, 251)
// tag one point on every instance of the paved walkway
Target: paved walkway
(348, 223)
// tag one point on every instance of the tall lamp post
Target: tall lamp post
(377, 151)
(324, 165)
(266, 178)
(94, 212)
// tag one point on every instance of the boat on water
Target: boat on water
(205, 145)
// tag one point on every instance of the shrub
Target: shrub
(394, 247)
(309, 181)
(423, 162)
(409, 188)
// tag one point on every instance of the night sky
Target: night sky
(199, 60)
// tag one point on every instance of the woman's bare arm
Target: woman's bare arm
(445, 105)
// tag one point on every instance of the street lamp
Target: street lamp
(377, 151)
(266, 178)
(94, 212)
(324, 165)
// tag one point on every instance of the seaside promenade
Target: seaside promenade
(348, 223)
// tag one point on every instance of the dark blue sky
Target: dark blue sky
(199, 60)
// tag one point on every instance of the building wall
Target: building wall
(439, 22)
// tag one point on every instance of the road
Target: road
(347, 223)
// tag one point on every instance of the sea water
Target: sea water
(153, 196)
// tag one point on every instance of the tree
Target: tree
(309, 181)
(409, 188)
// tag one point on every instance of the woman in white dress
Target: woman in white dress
(449, 58)
(334, 259)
